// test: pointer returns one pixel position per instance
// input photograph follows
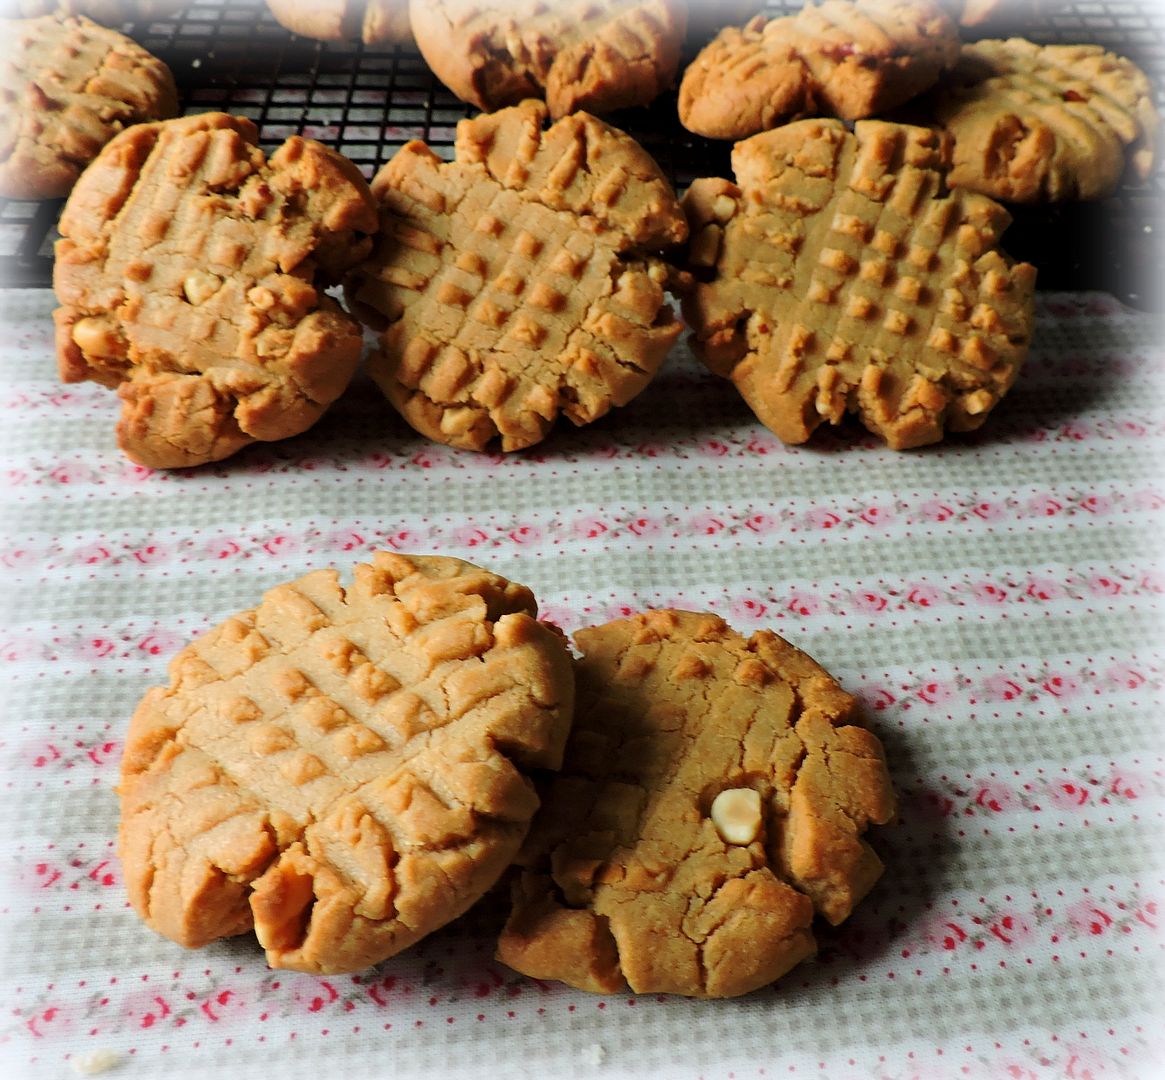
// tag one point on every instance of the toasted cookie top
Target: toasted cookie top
(190, 273)
(593, 55)
(712, 797)
(1040, 123)
(513, 282)
(343, 768)
(67, 87)
(375, 22)
(838, 275)
(840, 58)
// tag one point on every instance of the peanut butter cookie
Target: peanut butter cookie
(712, 799)
(68, 86)
(592, 55)
(190, 272)
(1044, 123)
(516, 282)
(844, 58)
(343, 769)
(838, 275)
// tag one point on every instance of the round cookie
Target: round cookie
(592, 55)
(513, 283)
(1045, 123)
(375, 22)
(840, 276)
(839, 58)
(190, 273)
(343, 769)
(712, 799)
(68, 86)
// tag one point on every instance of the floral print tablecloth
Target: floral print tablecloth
(996, 603)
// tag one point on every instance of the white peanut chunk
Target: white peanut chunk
(96, 335)
(200, 286)
(736, 815)
(723, 208)
(978, 402)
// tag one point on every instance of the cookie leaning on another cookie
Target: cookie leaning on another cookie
(190, 273)
(844, 58)
(343, 769)
(375, 22)
(840, 276)
(712, 798)
(592, 55)
(68, 86)
(1045, 123)
(517, 281)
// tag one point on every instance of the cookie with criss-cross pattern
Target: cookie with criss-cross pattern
(343, 769)
(1045, 123)
(838, 275)
(191, 272)
(840, 58)
(712, 798)
(592, 55)
(518, 281)
(68, 86)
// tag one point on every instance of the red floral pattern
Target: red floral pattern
(997, 632)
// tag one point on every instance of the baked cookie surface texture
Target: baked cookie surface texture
(190, 273)
(840, 58)
(712, 799)
(1042, 123)
(375, 22)
(343, 769)
(838, 275)
(68, 86)
(592, 55)
(517, 282)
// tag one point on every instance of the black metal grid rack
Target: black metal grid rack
(231, 55)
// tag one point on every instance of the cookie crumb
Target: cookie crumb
(96, 1061)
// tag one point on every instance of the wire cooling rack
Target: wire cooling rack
(231, 55)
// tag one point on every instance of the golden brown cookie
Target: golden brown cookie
(712, 798)
(190, 272)
(68, 86)
(375, 22)
(844, 58)
(343, 769)
(515, 282)
(1040, 123)
(592, 55)
(840, 276)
